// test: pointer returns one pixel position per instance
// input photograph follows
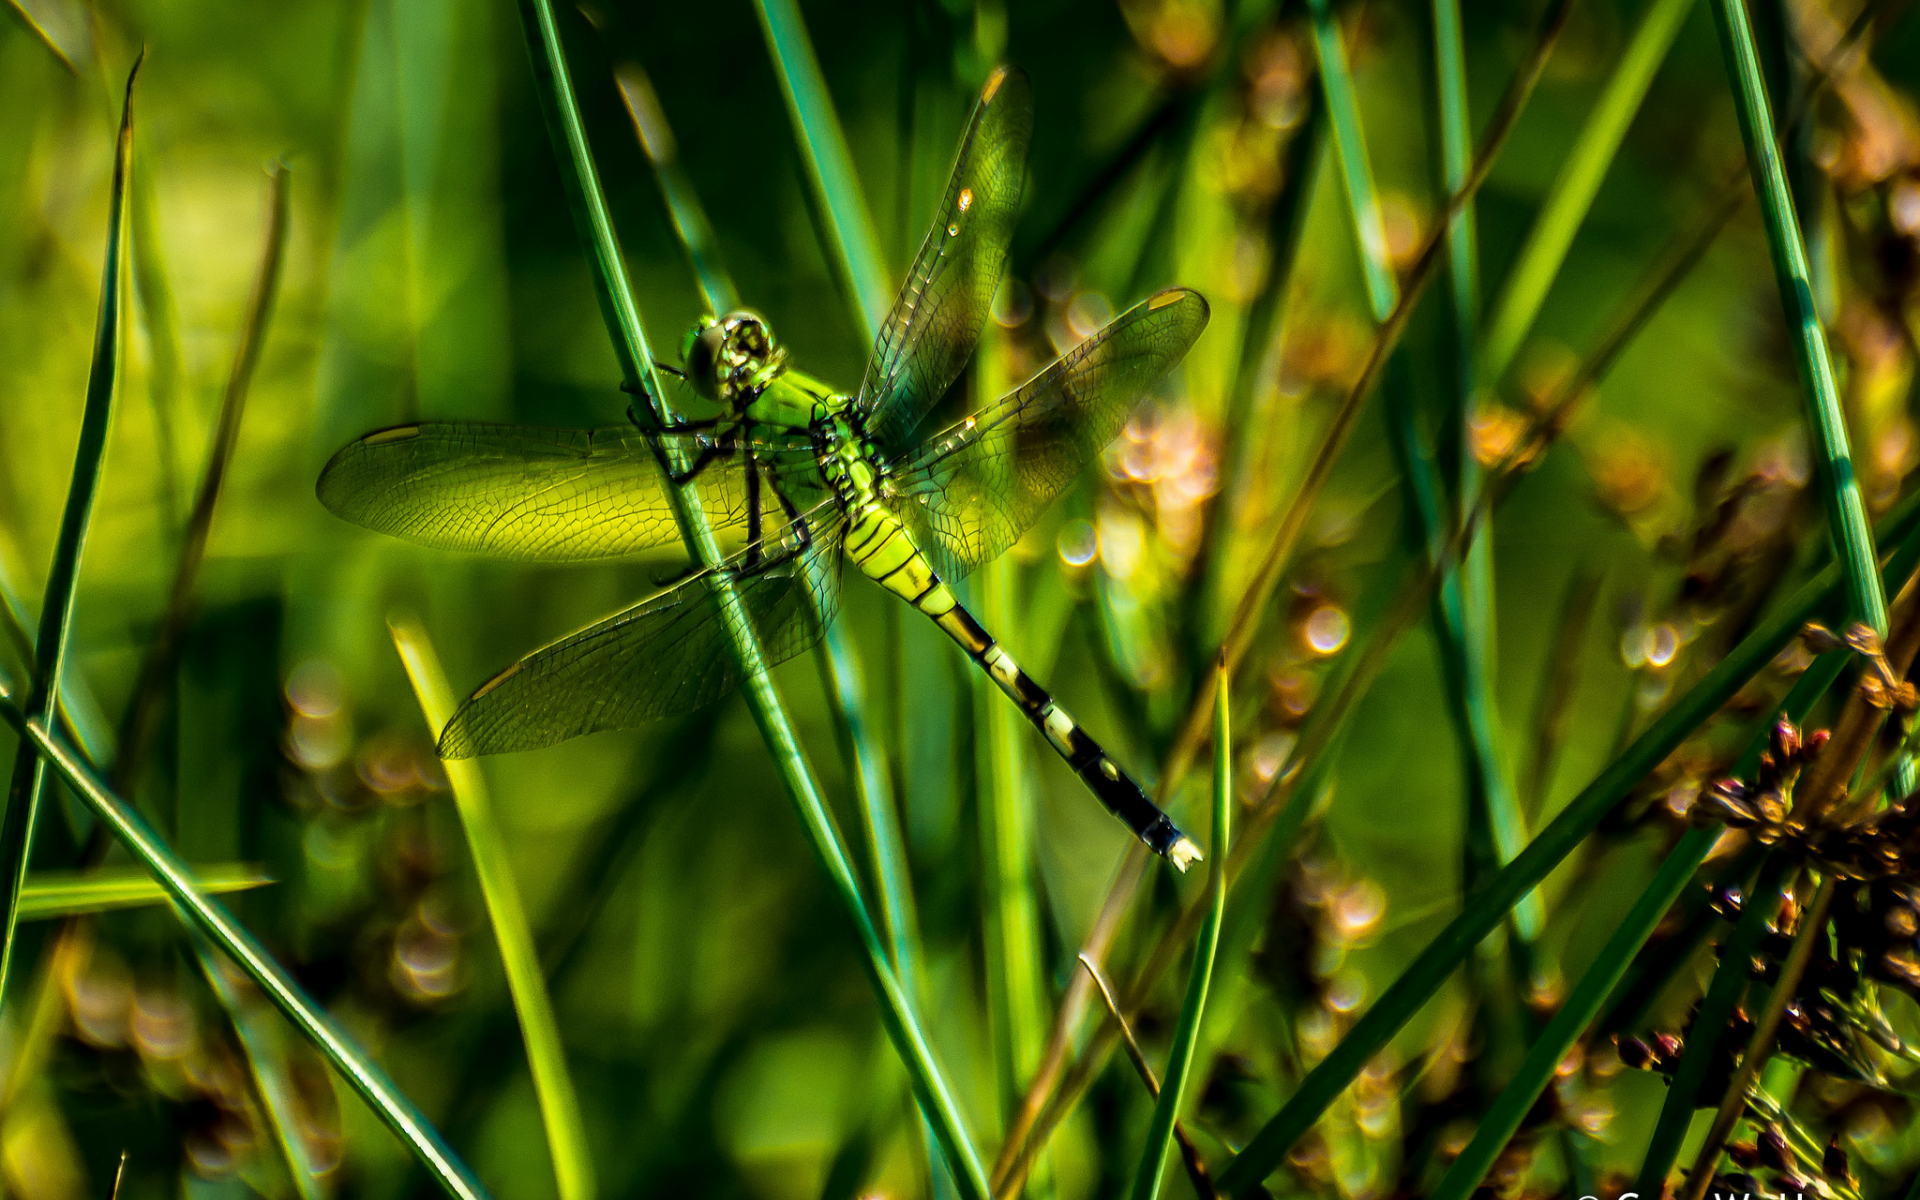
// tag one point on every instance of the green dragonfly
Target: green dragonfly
(808, 475)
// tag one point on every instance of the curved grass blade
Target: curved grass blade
(555, 89)
(1186, 1032)
(1571, 195)
(1846, 517)
(830, 174)
(1356, 168)
(360, 1072)
(689, 218)
(29, 780)
(1429, 970)
(546, 1056)
(157, 669)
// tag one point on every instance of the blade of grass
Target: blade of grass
(1189, 1153)
(157, 669)
(546, 1055)
(29, 779)
(689, 217)
(1587, 999)
(61, 26)
(1846, 517)
(1573, 189)
(360, 1072)
(1356, 168)
(266, 1063)
(1423, 977)
(830, 176)
(581, 178)
(1014, 974)
(50, 894)
(841, 669)
(1186, 1032)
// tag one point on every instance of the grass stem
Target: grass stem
(519, 955)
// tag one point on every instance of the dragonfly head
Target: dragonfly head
(731, 359)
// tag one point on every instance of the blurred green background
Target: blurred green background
(719, 1028)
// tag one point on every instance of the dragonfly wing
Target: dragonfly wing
(971, 491)
(519, 491)
(667, 655)
(937, 318)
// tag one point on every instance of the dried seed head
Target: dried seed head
(1863, 640)
(1819, 639)
(1634, 1052)
(1772, 1145)
(1833, 1164)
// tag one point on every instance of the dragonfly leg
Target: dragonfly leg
(708, 454)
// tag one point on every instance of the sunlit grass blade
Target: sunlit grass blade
(1189, 1153)
(313, 1022)
(1846, 517)
(554, 87)
(29, 780)
(1186, 1031)
(1356, 167)
(1573, 189)
(162, 659)
(1422, 978)
(844, 677)
(70, 893)
(80, 716)
(546, 1055)
(62, 26)
(830, 173)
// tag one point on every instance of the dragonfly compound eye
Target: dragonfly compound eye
(700, 354)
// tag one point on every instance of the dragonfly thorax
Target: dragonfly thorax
(732, 359)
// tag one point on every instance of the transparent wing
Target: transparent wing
(931, 331)
(970, 492)
(520, 491)
(666, 655)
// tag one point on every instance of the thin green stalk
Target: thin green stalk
(56, 610)
(1014, 972)
(49, 894)
(1425, 975)
(1813, 931)
(555, 89)
(359, 1071)
(162, 659)
(1186, 1032)
(1589, 997)
(689, 217)
(273, 1084)
(830, 175)
(81, 720)
(1356, 169)
(519, 955)
(1574, 188)
(1846, 516)
(842, 672)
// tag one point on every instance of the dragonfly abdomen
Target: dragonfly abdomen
(885, 552)
(1104, 777)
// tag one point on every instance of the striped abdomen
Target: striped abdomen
(885, 552)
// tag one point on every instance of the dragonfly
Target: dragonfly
(809, 476)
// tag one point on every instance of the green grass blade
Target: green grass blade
(690, 224)
(63, 578)
(546, 1056)
(273, 1084)
(162, 659)
(50, 894)
(1186, 1032)
(830, 174)
(1356, 169)
(1846, 517)
(81, 718)
(360, 1072)
(1573, 189)
(1430, 969)
(582, 179)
